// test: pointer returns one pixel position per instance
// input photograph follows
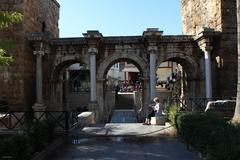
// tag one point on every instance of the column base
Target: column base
(93, 107)
(39, 109)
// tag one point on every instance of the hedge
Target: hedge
(210, 134)
(23, 146)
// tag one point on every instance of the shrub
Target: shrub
(172, 112)
(15, 146)
(40, 134)
(22, 146)
(210, 134)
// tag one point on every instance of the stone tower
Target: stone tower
(219, 15)
(17, 82)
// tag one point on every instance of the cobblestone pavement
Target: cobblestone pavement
(123, 148)
(123, 141)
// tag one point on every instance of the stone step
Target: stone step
(123, 116)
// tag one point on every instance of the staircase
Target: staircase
(124, 100)
(123, 116)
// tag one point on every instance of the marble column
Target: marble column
(93, 52)
(152, 51)
(39, 105)
(208, 73)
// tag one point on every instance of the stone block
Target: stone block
(86, 118)
(224, 107)
(159, 120)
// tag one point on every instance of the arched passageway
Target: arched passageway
(139, 97)
(70, 89)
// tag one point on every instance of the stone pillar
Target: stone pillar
(39, 105)
(205, 39)
(93, 52)
(208, 73)
(152, 51)
(93, 106)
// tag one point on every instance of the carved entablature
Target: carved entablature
(151, 36)
(40, 41)
(205, 39)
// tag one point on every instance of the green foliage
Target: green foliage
(15, 146)
(210, 134)
(36, 137)
(5, 60)
(40, 134)
(7, 19)
(172, 112)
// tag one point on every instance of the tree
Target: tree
(236, 117)
(6, 20)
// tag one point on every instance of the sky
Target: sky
(119, 17)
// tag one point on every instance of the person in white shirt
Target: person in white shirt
(155, 110)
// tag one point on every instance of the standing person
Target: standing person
(154, 110)
(117, 89)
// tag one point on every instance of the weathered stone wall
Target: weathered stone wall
(17, 82)
(200, 13)
(227, 50)
(221, 16)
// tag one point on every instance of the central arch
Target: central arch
(105, 65)
(140, 63)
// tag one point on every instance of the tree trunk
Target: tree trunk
(236, 117)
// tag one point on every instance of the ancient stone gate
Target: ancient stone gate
(209, 56)
(99, 53)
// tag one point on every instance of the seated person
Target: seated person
(154, 111)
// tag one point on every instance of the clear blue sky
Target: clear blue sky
(119, 17)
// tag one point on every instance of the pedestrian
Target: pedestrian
(153, 111)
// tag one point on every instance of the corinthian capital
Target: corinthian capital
(152, 49)
(92, 50)
(40, 53)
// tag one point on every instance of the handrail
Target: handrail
(17, 120)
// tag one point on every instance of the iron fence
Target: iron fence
(63, 120)
(195, 104)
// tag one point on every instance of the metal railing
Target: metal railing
(63, 120)
(195, 104)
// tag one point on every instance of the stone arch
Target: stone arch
(190, 65)
(57, 87)
(105, 65)
(63, 62)
(192, 69)
(139, 62)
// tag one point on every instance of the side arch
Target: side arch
(191, 66)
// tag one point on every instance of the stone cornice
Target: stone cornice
(123, 40)
(205, 39)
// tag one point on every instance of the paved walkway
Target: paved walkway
(123, 141)
(123, 148)
(126, 129)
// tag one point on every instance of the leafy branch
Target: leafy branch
(7, 19)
